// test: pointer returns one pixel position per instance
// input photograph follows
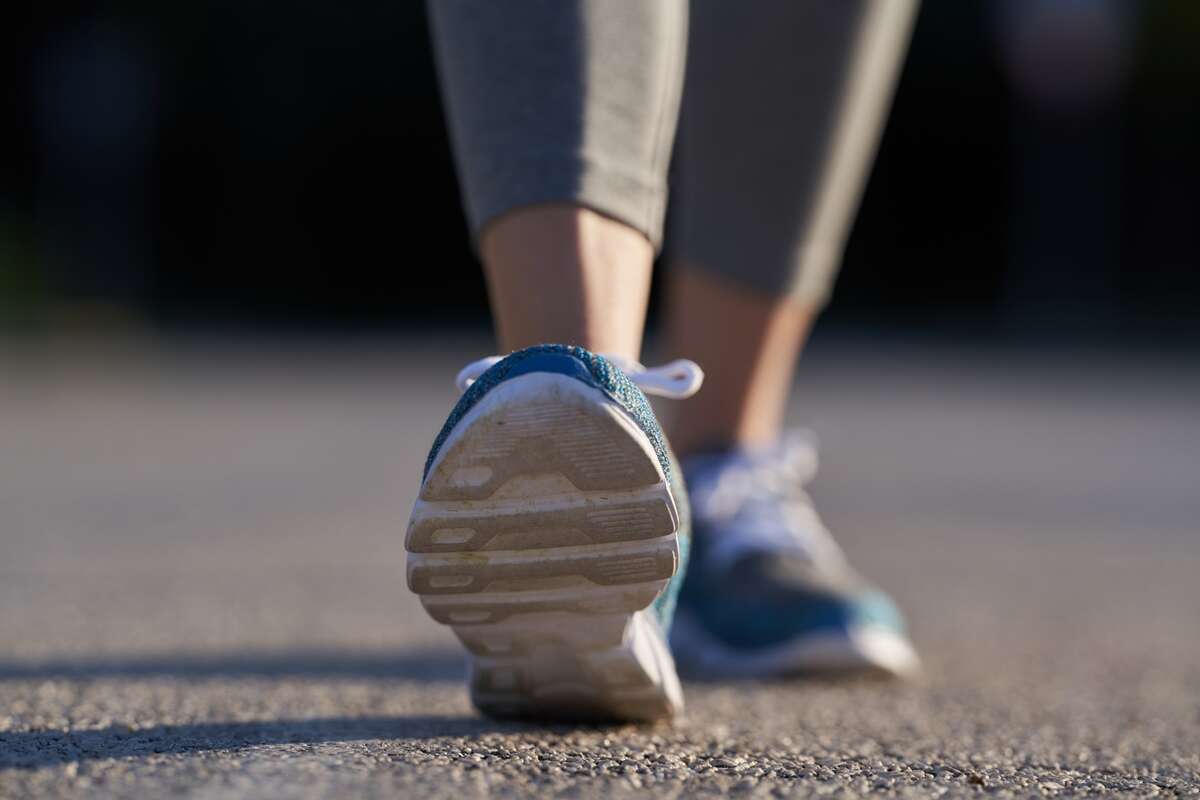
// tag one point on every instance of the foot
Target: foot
(768, 591)
(550, 534)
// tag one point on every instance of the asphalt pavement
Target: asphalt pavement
(202, 583)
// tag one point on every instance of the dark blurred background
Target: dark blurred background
(260, 166)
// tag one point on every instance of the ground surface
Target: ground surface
(201, 585)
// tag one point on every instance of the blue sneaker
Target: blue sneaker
(768, 591)
(551, 532)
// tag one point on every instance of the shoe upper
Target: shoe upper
(764, 569)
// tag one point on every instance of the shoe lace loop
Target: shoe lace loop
(471, 372)
(677, 380)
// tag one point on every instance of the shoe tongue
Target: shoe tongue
(706, 473)
(792, 459)
(773, 572)
(742, 522)
(743, 538)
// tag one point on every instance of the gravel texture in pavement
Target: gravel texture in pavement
(202, 585)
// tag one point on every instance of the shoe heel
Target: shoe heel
(543, 532)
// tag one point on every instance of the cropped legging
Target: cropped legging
(779, 110)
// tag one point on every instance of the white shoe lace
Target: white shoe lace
(762, 495)
(679, 379)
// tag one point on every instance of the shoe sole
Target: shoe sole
(542, 534)
(864, 649)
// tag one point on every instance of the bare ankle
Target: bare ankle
(566, 274)
(749, 359)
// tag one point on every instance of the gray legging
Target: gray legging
(577, 101)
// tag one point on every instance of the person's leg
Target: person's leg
(551, 526)
(563, 273)
(748, 354)
(783, 108)
(562, 114)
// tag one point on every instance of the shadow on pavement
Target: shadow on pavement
(418, 665)
(36, 749)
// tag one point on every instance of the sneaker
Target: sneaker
(768, 591)
(551, 532)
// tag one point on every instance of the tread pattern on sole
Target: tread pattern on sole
(543, 531)
(530, 523)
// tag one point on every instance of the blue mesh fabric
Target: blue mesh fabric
(664, 605)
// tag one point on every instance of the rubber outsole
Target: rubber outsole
(542, 534)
